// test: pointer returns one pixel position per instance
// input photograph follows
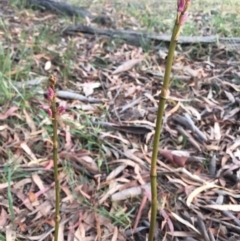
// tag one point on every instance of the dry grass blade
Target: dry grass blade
(184, 222)
(198, 191)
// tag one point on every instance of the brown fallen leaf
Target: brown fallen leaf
(9, 112)
(178, 158)
(181, 220)
(126, 66)
(32, 197)
(88, 88)
(198, 190)
(139, 213)
(225, 207)
(10, 233)
(3, 217)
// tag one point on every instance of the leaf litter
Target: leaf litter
(111, 90)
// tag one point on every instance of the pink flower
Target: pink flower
(44, 107)
(181, 5)
(183, 18)
(50, 93)
(61, 109)
(47, 109)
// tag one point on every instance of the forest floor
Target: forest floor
(106, 133)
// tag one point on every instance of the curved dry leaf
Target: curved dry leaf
(180, 157)
(176, 157)
(88, 88)
(184, 222)
(5, 185)
(185, 121)
(127, 65)
(189, 71)
(235, 145)
(26, 148)
(217, 131)
(127, 193)
(234, 86)
(188, 123)
(167, 218)
(199, 190)
(110, 192)
(212, 166)
(29, 121)
(115, 234)
(87, 163)
(167, 154)
(231, 113)
(229, 96)
(3, 127)
(200, 135)
(116, 172)
(72, 95)
(10, 234)
(9, 112)
(192, 111)
(174, 109)
(162, 53)
(32, 197)
(220, 199)
(38, 181)
(47, 65)
(130, 154)
(79, 235)
(121, 139)
(3, 217)
(126, 162)
(147, 191)
(222, 207)
(61, 232)
(139, 213)
(43, 210)
(202, 228)
(138, 176)
(212, 147)
(181, 234)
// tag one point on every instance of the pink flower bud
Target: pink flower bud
(183, 18)
(61, 109)
(181, 5)
(47, 109)
(50, 93)
(44, 107)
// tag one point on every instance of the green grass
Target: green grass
(118, 215)
(2, 238)
(9, 172)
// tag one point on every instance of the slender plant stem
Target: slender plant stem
(55, 161)
(162, 100)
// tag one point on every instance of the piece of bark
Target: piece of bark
(69, 10)
(137, 37)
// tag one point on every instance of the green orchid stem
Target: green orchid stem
(55, 161)
(161, 105)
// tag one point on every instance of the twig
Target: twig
(137, 37)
